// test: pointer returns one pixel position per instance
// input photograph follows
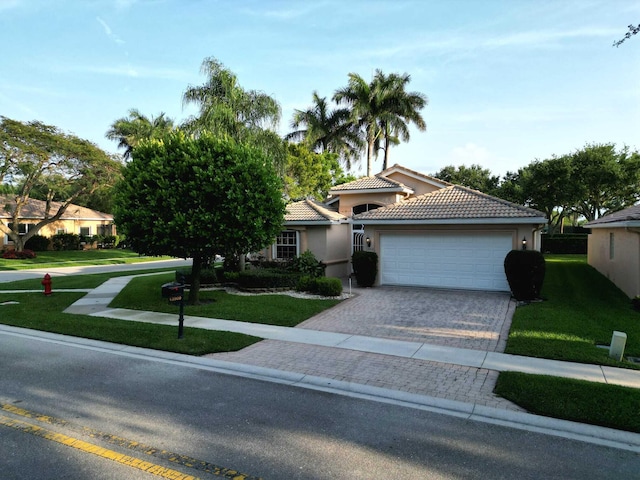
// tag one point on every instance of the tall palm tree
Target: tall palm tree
(400, 108)
(382, 109)
(130, 131)
(325, 130)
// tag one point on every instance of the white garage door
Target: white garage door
(447, 260)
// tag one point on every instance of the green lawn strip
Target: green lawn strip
(576, 400)
(74, 258)
(76, 281)
(581, 310)
(43, 313)
(143, 293)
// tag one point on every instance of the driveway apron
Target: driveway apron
(462, 319)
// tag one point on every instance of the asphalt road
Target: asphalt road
(76, 413)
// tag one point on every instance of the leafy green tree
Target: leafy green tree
(35, 157)
(607, 180)
(474, 177)
(549, 186)
(225, 108)
(197, 197)
(381, 109)
(311, 175)
(130, 131)
(324, 130)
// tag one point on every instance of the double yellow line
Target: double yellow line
(123, 459)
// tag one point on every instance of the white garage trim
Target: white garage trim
(473, 260)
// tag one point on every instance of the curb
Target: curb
(523, 421)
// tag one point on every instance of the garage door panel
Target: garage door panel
(470, 261)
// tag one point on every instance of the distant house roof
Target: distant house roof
(453, 204)
(35, 210)
(629, 217)
(310, 211)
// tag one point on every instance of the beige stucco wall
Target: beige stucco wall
(348, 201)
(419, 186)
(68, 226)
(624, 268)
(330, 244)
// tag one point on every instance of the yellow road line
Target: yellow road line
(95, 449)
(176, 458)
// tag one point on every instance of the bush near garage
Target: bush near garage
(365, 267)
(525, 271)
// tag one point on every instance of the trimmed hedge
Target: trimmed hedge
(565, 243)
(267, 278)
(325, 286)
(38, 243)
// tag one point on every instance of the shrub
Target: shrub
(307, 264)
(365, 267)
(306, 284)
(208, 276)
(329, 286)
(65, 241)
(15, 255)
(525, 271)
(38, 243)
(565, 243)
(267, 278)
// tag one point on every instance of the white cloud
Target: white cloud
(109, 32)
(469, 154)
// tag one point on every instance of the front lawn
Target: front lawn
(39, 312)
(580, 311)
(143, 293)
(72, 258)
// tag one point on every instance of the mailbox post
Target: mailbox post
(174, 292)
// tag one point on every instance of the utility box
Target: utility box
(174, 292)
(618, 342)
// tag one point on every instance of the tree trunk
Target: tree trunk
(370, 156)
(196, 270)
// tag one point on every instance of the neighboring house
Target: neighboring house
(425, 231)
(76, 219)
(614, 248)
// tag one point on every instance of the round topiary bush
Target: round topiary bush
(525, 271)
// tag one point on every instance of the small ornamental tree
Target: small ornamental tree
(198, 197)
(525, 271)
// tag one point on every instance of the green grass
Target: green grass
(576, 400)
(143, 293)
(581, 310)
(74, 281)
(75, 258)
(40, 312)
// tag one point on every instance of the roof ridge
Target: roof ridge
(415, 172)
(500, 200)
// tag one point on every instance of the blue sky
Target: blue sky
(508, 81)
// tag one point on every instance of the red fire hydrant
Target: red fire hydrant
(46, 281)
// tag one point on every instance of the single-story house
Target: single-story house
(426, 232)
(613, 248)
(76, 219)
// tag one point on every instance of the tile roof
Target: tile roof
(35, 209)
(311, 211)
(370, 183)
(450, 203)
(631, 214)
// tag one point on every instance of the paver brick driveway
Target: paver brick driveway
(454, 318)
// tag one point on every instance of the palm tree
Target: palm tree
(326, 130)
(130, 131)
(225, 108)
(382, 109)
(399, 109)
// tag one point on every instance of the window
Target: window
(286, 246)
(611, 246)
(85, 231)
(60, 231)
(23, 228)
(365, 207)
